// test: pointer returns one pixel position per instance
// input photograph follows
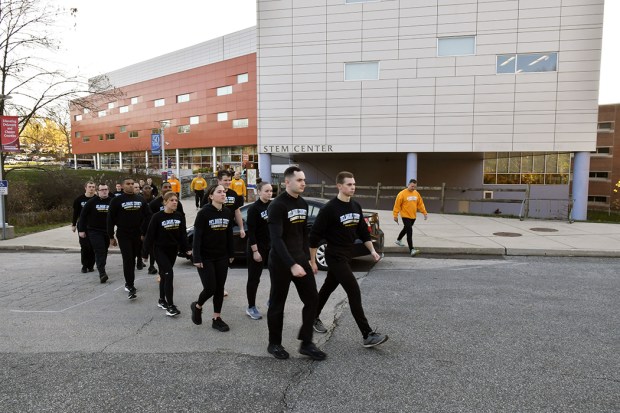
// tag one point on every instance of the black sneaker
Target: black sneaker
(84, 270)
(318, 326)
(139, 265)
(196, 313)
(172, 311)
(91, 269)
(220, 325)
(152, 270)
(127, 288)
(103, 278)
(162, 304)
(312, 350)
(374, 339)
(131, 295)
(277, 351)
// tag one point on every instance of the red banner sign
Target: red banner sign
(9, 133)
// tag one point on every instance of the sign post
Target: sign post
(9, 142)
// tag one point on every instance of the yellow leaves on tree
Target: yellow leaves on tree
(44, 136)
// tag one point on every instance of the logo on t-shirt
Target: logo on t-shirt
(218, 224)
(412, 198)
(350, 220)
(131, 205)
(264, 215)
(171, 224)
(230, 200)
(297, 215)
(102, 208)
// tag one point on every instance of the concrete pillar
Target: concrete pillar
(74, 161)
(120, 161)
(264, 166)
(146, 161)
(581, 178)
(412, 166)
(214, 161)
(98, 164)
(95, 161)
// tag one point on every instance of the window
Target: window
(165, 123)
(194, 120)
(599, 175)
(598, 199)
(606, 126)
(240, 123)
(602, 150)
(512, 168)
(100, 137)
(123, 109)
(77, 118)
(102, 113)
(86, 111)
(111, 105)
(134, 100)
(159, 102)
(242, 78)
(109, 136)
(133, 134)
(86, 139)
(456, 46)
(361, 71)
(78, 134)
(183, 129)
(155, 130)
(183, 98)
(527, 63)
(123, 128)
(224, 90)
(222, 116)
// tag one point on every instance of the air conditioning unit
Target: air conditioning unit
(487, 194)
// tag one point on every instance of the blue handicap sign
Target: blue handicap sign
(4, 187)
(156, 144)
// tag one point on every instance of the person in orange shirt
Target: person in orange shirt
(408, 202)
(238, 185)
(175, 184)
(198, 185)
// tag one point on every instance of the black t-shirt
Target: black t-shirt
(258, 230)
(288, 230)
(213, 234)
(94, 215)
(166, 230)
(78, 204)
(129, 213)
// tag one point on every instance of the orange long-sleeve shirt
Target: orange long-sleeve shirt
(175, 185)
(408, 203)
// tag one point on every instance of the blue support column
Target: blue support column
(581, 178)
(412, 166)
(264, 166)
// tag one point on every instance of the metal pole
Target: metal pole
(2, 199)
(164, 167)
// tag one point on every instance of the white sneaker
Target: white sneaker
(413, 252)
(399, 243)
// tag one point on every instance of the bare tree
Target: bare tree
(37, 87)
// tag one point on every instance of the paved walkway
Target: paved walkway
(440, 234)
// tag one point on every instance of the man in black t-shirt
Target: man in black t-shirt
(86, 250)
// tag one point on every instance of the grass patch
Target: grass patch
(31, 229)
(604, 216)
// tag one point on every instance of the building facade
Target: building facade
(466, 92)
(605, 162)
(202, 99)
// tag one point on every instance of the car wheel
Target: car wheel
(320, 257)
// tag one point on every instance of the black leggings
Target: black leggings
(100, 242)
(199, 193)
(165, 257)
(213, 277)
(130, 245)
(255, 269)
(339, 273)
(281, 278)
(87, 254)
(408, 229)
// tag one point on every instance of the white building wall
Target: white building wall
(421, 102)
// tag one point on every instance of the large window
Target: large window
(527, 63)
(159, 102)
(240, 123)
(598, 199)
(86, 139)
(102, 113)
(222, 116)
(224, 90)
(123, 109)
(599, 175)
(194, 120)
(456, 46)
(361, 71)
(110, 136)
(77, 118)
(512, 168)
(605, 126)
(133, 134)
(134, 100)
(111, 105)
(183, 98)
(242, 78)
(122, 128)
(183, 129)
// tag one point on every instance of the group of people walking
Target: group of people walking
(278, 235)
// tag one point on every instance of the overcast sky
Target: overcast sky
(113, 34)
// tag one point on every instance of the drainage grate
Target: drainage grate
(541, 229)
(507, 234)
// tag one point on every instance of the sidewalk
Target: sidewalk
(440, 234)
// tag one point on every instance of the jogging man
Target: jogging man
(408, 202)
(93, 224)
(233, 201)
(340, 222)
(289, 261)
(198, 185)
(130, 214)
(86, 250)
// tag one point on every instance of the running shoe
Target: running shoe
(127, 288)
(399, 243)
(84, 270)
(374, 339)
(311, 350)
(220, 325)
(131, 295)
(172, 311)
(413, 252)
(318, 326)
(91, 269)
(253, 313)
(162, 304)
(277, 351)
(196, 313)
(152, 270)
(139, 265)
(103, 278)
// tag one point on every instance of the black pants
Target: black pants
(339, 273)
(213, 277)
(199, 193)
(151, 259)
(281, 278)
(130, 246)
(255, 269)
(87, 254)
(165, 257)
(100, 242)
(408, 229)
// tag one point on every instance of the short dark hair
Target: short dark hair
(210, 191)
(101, 183)
(342, 176)
(128, 179)
(290, 171)
(223, 173)
(413, 181)
(88, 183)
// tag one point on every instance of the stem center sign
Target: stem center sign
(9, 133)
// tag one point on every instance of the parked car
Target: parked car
(314, 206)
